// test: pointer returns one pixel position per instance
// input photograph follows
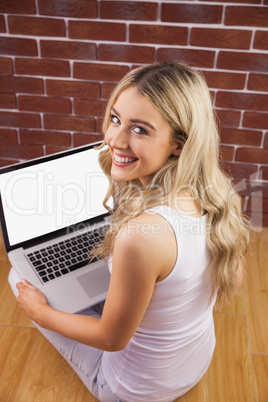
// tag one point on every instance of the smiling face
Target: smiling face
(138, 137)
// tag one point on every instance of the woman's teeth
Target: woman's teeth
(123, 160)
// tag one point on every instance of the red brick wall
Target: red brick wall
(59, 60)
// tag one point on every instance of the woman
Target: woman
(175, 244)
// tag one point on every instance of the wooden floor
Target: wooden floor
(32, 371)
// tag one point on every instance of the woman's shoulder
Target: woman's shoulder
(149, 239)
(148, 226)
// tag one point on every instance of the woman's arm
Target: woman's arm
(139, 258)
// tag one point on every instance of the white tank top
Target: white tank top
(173, 346)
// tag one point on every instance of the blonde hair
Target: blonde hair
(181, 96)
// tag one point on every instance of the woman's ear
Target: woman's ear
(177, 149)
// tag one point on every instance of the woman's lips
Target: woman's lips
(123, 160)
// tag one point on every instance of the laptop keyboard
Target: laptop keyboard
(66, 256)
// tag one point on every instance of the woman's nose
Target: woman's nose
(119, 139)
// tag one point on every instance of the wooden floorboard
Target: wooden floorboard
(231, 375)
(32, 371)
(260, 363)
(17, 344)
(256, 294)
(76, 391)
(46, 374)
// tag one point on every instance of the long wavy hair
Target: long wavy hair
(181, 96)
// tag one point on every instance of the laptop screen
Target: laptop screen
(49, 194)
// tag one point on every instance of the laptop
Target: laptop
(51, 217)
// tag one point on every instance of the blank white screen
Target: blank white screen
(52, 195)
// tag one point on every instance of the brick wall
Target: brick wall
(59, 60)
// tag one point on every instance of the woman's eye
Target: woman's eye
(114, 119)
(139, 130)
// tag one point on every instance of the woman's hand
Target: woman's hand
(30, 299)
